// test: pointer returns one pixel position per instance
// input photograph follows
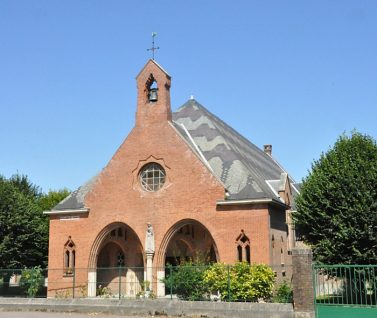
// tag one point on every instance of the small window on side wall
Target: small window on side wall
(243, 248)
(69, 257)
(239, 253)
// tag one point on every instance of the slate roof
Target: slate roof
(76, 200)
(244, 169)
(296, 189)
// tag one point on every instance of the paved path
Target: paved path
(36, 314)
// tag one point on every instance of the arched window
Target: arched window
(282, 251)
(152, 89)
(69, 257)
(120, 259)
(120, 233)
(66, 259)
(243, 248)
(247, 250)
(239, 253)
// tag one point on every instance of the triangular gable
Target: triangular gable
(150, 61)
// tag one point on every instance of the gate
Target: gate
(345, 291)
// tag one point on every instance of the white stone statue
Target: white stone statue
(149, 239)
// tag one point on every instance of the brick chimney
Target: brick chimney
(267, 149)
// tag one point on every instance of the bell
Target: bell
(153, 95)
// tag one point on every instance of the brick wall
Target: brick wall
(189, 195)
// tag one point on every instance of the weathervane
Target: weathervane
(153, 48)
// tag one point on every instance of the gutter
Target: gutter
(64, 212)
(252, 202)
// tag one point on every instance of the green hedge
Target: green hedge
(239, 282)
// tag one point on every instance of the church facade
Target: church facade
(182, 185)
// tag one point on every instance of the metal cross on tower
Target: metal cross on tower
(153, 48)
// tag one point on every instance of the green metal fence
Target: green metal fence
(130, 282)
(345, 290)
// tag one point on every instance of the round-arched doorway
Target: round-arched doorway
(116, 263)
(186, 241)
(190, 242)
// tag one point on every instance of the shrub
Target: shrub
(216, 278)
(31, 280)
(146, 291)
(186, 280)
(240, 282)
(104, 291)
(284, 293)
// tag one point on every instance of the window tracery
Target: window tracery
(243, 248)
(152, 177)
(69, 257)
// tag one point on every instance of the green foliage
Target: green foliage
(284, 293)
(104, 291)
(218, 279)
(23, 227)
(186, 280)
(239, 282)
(51, 199)
(24, 185)
(31, 280)
(337, 208)
(246, 282)
(146, 291)
(21, 242)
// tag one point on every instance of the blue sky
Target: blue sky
(294, 74)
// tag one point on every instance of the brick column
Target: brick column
(302, 280)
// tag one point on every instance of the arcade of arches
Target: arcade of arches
(120, 256)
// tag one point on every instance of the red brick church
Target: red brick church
(182, 184)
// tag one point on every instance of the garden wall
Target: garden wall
(162, 307)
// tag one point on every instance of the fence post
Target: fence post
(302, 280)
(171, 281)
(228, 282)
(73, 282)
(120, 282)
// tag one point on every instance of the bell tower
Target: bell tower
(153, 95)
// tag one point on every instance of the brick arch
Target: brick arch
(101, 238)
(170, 234)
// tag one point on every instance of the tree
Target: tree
(23, 227)
(24, 185)
(53, 197)
(21, 243)
(337, 208)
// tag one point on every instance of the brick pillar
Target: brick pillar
(302, 280)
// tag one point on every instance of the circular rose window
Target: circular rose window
(152, 177)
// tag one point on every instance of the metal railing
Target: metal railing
(130, 282)
(345, 284)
